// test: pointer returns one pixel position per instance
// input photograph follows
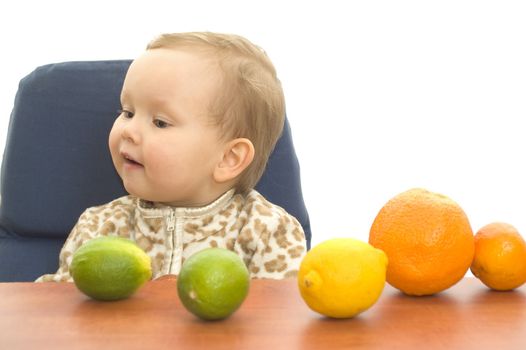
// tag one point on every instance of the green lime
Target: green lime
(110, 268)
(213, 283)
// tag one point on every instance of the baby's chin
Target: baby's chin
(138, 194)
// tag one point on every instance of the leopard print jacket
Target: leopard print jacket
(270, 241)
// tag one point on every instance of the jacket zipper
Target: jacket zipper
(170, 227)
(170, 224)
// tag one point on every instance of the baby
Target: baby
(201, 113)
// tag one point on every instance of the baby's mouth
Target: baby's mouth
(129, 160)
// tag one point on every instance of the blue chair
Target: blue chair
(56, 163)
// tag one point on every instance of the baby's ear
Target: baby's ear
(237, 156)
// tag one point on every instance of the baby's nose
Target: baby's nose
(131, 131)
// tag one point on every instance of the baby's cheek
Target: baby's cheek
(113, 148)
(113, 138)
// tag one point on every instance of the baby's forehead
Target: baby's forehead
(162, 77)
(176, 62)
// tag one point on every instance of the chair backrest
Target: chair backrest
(56, 163)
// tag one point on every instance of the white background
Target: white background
(382, 96)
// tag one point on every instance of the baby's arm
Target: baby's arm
(75, 239)
(279, 252)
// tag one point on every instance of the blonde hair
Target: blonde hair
(250, 101)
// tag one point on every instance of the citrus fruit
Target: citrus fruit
(428, 240)
(110, 268)
(213, 283)
(500, 257)
(342, 277)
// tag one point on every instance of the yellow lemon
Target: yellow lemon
(342, 277)
(110, 268)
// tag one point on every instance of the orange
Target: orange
(500, 257)
(428, 240)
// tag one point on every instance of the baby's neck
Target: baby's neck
(212, 199)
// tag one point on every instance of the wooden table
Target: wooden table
(57, 316)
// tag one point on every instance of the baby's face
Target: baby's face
(163, 144)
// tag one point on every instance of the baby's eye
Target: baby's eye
(126, 114)
(161, 124)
